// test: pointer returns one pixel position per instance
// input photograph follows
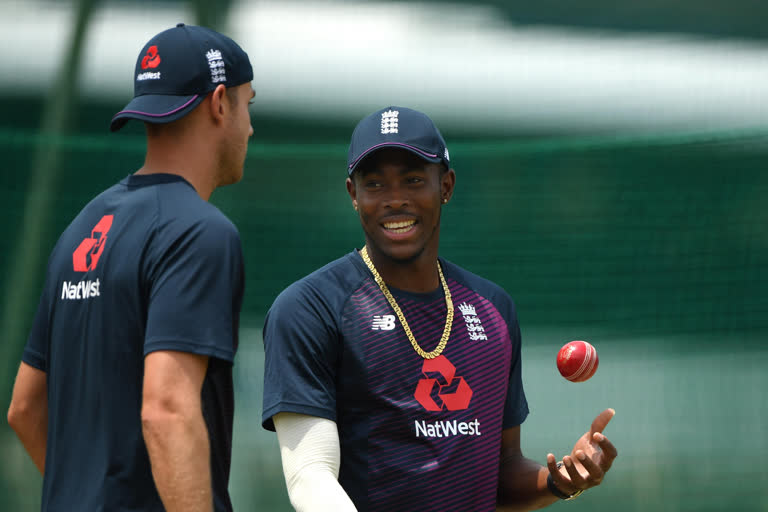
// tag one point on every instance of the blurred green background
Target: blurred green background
(625, 208)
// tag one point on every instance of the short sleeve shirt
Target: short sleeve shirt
(146, 266)
(415, 434)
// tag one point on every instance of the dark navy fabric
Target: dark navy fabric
(415, 434)
(177, 68)
(399, 127)
(147, 265)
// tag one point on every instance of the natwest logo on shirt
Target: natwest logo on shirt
(80, 290)
(447, 428)
(85, 258)
(442, 388)
(87, 254)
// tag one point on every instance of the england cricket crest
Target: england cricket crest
(389, 121)
(474, 325)
(216, 63)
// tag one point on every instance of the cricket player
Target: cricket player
(393, 376)
(124, 396)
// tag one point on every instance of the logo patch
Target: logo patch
(383, 323)
(216, 63)
(441, 388)
(87, 254)
(151, 59)
(474, 326)
(81, 290)
(148, 76)
(389, 121)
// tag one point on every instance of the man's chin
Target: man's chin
(231, 178)
(401, 254)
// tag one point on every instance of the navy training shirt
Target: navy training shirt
(415, 434)
(147, 265)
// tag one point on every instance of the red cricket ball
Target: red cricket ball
(577, 361)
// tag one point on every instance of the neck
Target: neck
(418, 275)
(187, 156)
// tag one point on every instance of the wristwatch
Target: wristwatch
(557, 492)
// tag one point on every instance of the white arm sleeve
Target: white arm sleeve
(309, 447)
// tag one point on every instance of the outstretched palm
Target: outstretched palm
(591, 457)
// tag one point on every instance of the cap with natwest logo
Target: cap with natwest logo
(399, 127)
(177, 68)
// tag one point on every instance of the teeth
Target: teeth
(399, 225)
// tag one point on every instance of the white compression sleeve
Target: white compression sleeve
(309, 447)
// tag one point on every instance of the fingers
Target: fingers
(602, 420)
(594, 466)
(578, 481)
(595, 473)
(591, 475)
(551, 463)
(560, 481)
(609, 451)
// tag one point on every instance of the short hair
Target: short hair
(233, 95)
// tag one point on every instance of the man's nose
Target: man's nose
(396, 197)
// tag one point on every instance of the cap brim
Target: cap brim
(429, 157)
(156, 108)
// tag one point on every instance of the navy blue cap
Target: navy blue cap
(177, 68)
(397, 127)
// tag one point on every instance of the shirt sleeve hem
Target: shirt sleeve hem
(309, 410)
(34, 359)
(191, 347)
(516, 419)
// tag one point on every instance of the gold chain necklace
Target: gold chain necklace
(448, 302)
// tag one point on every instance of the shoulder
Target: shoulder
(163, 203)
(482, 286)
(181, 202)
(194, 218)
(84, 223)
(327, 288)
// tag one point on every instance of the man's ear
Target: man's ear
(447, 183)
(219, 105)
(352, 190)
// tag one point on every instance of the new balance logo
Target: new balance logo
(389, 121)
(383, 323)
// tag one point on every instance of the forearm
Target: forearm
(179, 453)
(310, 451)
(28, 412)
(523, 485)
(31, 427)
(319, 492)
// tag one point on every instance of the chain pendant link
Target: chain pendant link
(448, 302)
